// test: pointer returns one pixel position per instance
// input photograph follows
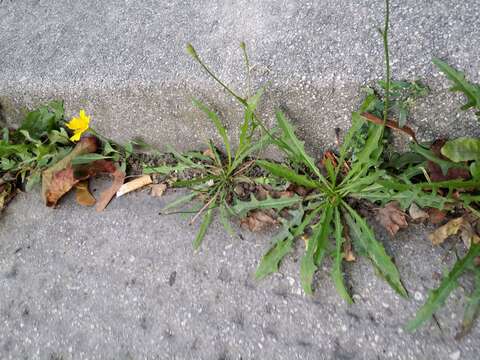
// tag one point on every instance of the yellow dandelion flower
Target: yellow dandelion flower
(79, 125)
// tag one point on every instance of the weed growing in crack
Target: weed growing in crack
(221, 179)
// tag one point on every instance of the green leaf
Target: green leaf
(165, 169)
(337, 273)
(287, 173)
(402, 115)
(475, 170)
(242, 207)
(207, 219)
(449, 282)
(282, 244)
(218, 124)
(363, 237)
(445, 165)
(295, 148)
(224, 218)
(462, 149)
(250, 149)
(88, 158)
(41, 121)
(180, 201)
(315, 251)
(33, 180)
(470, 90)
(128, 149)
(108, 149)
(59, 137)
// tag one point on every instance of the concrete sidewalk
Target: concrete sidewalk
(126, 284)
(125, 61)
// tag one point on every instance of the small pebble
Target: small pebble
(455, 355)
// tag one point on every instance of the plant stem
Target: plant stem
(387, 60)
(247, 68)
(194, 54)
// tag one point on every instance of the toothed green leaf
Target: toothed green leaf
(242, 207)
(470, 90)
(363, 237)
(316, 247)
(462, 149)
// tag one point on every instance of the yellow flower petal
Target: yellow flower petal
(76, 136)
(79, 125)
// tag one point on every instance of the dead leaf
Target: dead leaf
(282, 194)
(261, 193)
(436, 216)
(460, 226)
(392, 218)
(257, 220)
(417, 214)
(158, 189)
(391, 124)
(209, 153)
(443, 232)
(83, 195)
(107, 195)
(134, 185)
(58, 179)
(298, 189)
(329, 156)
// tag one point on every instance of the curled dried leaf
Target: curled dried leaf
(392, 218)
(436, 216)
(458, 226)
(258, 220)
(417, 214)
(158, 189)
(83, 195)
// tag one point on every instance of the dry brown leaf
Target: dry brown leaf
(283, 194)
(257, 220)
(261, 193)
(83, 195)
(209, 153)
(453, 227)
(107, 195)
(58, 179)
(298, 189)
(158, 189)
(436, 216)
(391, 124)
(417, 214)
(392, 218)
(134, 185)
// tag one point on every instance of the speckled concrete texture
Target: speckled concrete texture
(124, 61)
(126, 284)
